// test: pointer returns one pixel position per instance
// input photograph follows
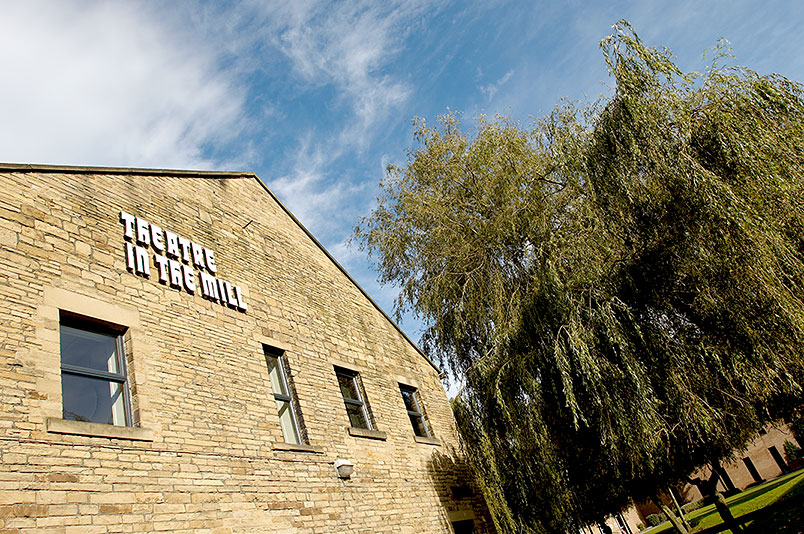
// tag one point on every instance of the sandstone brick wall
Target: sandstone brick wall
(205, 454)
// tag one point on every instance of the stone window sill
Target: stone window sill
(292, 447)
(427, 441)
(81, 428)
(366, 433)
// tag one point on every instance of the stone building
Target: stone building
(177, 353)
(760, 461)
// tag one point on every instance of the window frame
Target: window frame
(289, 398)
(104, 328)
(359, 402)
(418, 413)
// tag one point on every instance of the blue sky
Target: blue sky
(317, 97)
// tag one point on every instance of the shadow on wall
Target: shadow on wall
(463, 503)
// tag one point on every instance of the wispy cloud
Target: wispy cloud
(110, 84)
(345, 49)
(491, 89)
(349, 46)
(348, 255)
(318, 201)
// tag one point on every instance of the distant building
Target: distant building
(179, 354)
(763, 459)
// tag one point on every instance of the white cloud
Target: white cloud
(317, 202)
(348, 255)
(347, 45)
(110, 84)
(491, 89)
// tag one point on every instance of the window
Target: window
(356, 409)
(411, 398)
(93, 372)
(283, 395)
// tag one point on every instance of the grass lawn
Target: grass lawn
(785, 518)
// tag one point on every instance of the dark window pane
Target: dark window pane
(407, 396)
(348, 387)
(357, 417)
(411, 398)
(89, 349)
(418, 425)
(92, 399)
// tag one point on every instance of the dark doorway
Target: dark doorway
(752, 469)
(467, 526)
(778, 459)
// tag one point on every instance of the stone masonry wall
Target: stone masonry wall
(206, 453)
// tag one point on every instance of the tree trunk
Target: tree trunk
(725, 514)
(679, 525)
(679, 509)
(709, 488)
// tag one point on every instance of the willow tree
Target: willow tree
(619, 285)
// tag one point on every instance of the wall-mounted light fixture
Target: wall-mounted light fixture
(344, 468)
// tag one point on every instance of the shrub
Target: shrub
(792, 452)
(691, 506)
(655, 519)
(797, 426)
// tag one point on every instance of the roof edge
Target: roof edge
(349, 276)
(28, 167)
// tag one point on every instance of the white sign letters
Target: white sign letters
(176, 260)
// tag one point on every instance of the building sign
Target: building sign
(180, 263)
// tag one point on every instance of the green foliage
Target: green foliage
(655, 519)
(619, 285)
(792, 452)
(692, 506)
(797, 426)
